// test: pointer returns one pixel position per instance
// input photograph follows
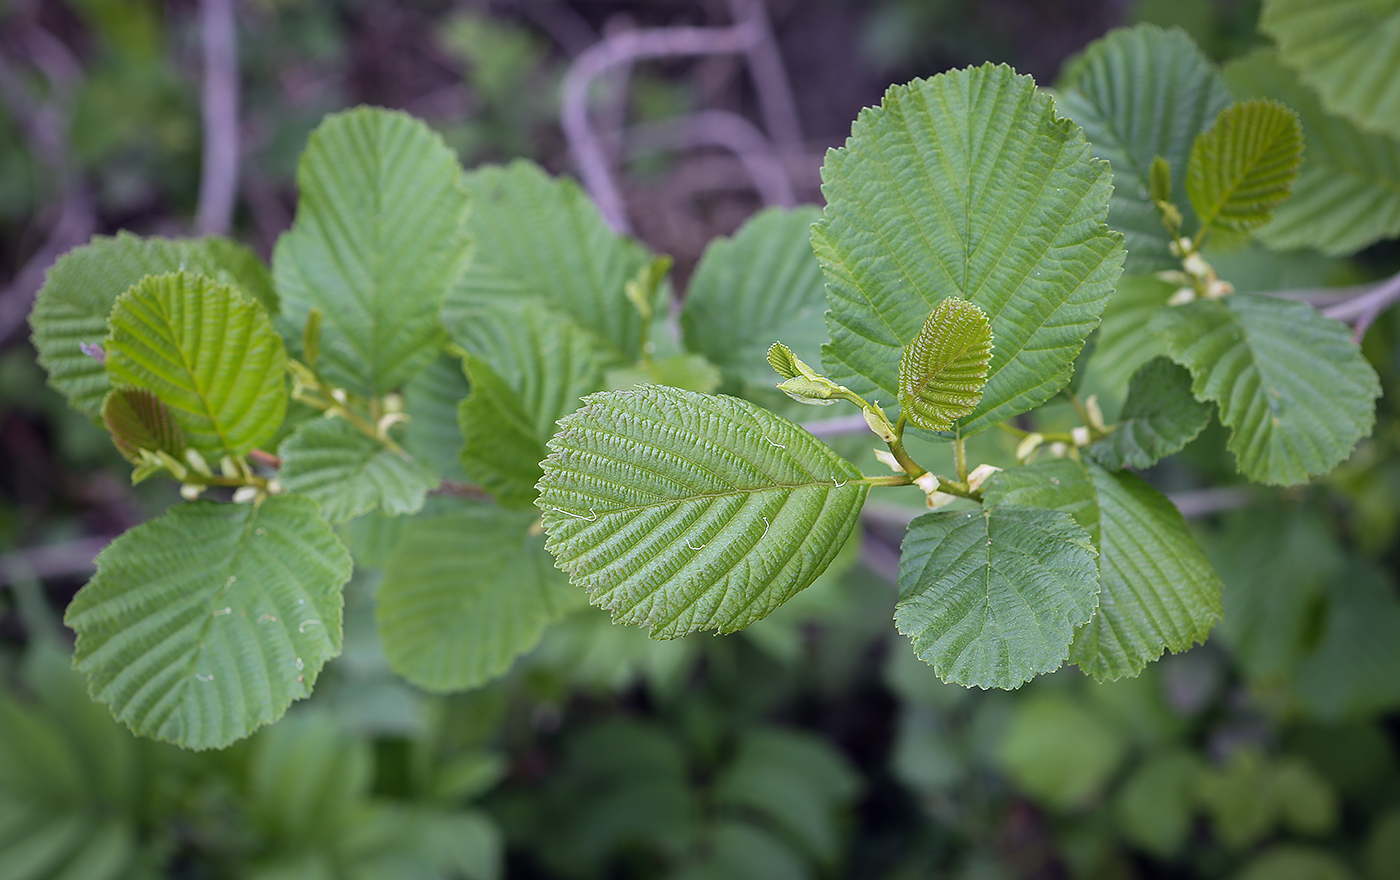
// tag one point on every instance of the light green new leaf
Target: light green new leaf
(1291, 384)
(1159, 591)
(528, 370)
(71, 310)
(762, 284)
(692, 372)
(1245, 165)
(941, 372)
(465, 593)
(966, 185)
(681, 512)
(992, 597)
(378, 241)
(1348, 50)
(349, 474)
(1059, 752)
(540, 243)
(1139, 93)
(208, 352)
(204, 624)
(1348, 192)
(1121, 346)
(137, 420)
(1158, 419)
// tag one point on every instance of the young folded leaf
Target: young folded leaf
(1245, 165)
(209, 352)
(942, 372)
(139, 421)
(681, 511)
(1159, 418)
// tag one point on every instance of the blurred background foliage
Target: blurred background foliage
(811, 745)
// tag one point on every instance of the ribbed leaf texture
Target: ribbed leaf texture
(1347, 50)
(378, 241)
(204, 623)
(966, 185)
(761, 285)
(1158, 419)
(467, 592)
(541, 243)
(1120, 346)
(680, 511)
(1348, 192)
(992, 597)
(208, 352)
(71, 309)
(941, 372)
(349, 474)
(138, 420)
(1139, 93)
(430, 402)
(528, 370)
(1159, 590)
(1245, 165)
(1291, 384)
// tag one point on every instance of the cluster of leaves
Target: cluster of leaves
(441, 327)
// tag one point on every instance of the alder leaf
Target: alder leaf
(1140, 93)
(541, 244)
(1290, 383)
(966, 184)
(349, 474)
(761, 285)
(465, 593)
(1347, 50)
(528, 370)
(1159, 591)
(138, 420)
(681, 511)
(377, 243)
(992, 597)
(70, 311)
(1158, 419)
(208, 352)
(1348, 191)
(1245, 165)
(941, 372)
(203, 624)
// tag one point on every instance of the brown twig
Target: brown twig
(755, 152)
(218, 179)
(462, 490)
(51, 560)
(621, 49)
(1361, 310)
(776, 103)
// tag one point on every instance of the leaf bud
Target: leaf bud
(979, 475)
(245, 494)
(197, 462)
(190, 491)
(879, 424)
(1028, 446)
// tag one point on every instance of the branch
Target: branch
(218, 179)
(1360, 311)
(731, 131)
(775, 99)
(855, 424)
(621, 49)
(51, 560)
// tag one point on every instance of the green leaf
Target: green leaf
(138, 420)
(208, 352)
(991, 597)
(519, 214)
(684, 512)
(502, 447)
(378, 241)
(1245, 165)
(1159, 591)
(1354, 667)
(205, 623)
(349, 474)
(1348, 50)
(1158, 419)
(1059, 753)
(941, 372)
(1140, 93)
(1122, 346)
(528, 370)
(762, 284)
(432, 434)
(1291, 861)
(307, 778)
(689, 371)
(1291, 384)
(465, 593)
(1155, 806)
(72, 307)
(966, 185)
(1348, 192)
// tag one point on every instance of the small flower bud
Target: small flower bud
(190, 491)
(1091, 405)
(245, 494)
(197, 462)
(1080, 435)
(1182, 297)
(889, 460)
(979, 475)
(1028, 446)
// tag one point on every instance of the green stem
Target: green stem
(959, 453)
(887, 480)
